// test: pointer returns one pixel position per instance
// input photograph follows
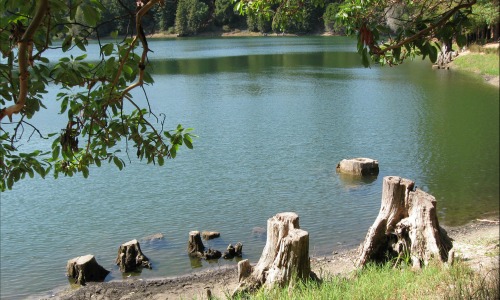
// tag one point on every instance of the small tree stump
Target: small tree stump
(195, 245)
(407, 224)
(85, 269)
(130, 257)
(244, 269)
(209, 235)
(284, 258)
(358, 166)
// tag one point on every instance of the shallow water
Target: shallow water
(274, 116)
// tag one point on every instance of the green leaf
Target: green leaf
(55, 152)
(118, 162)
(173, 150)
(188, 143)
(161, 160)
(90, 15)
(127, 69)
(85, 172)
(66, 45)
(107, 49)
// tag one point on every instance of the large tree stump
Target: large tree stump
(285, 256)
(407, 224)
(85, 269)
(130, 257)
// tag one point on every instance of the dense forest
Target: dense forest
(192, 17)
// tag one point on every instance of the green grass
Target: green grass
(480, 60)
(386, 282)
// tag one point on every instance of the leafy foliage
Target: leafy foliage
(190, 17)
(101, 117)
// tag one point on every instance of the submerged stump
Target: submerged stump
(360, 166)
(85, 269)
(407, 225)
(130, 257)
(285, 256)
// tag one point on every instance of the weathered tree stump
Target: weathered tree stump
(233, 251)
(358, 166)
(85, 269)
(195, 245)
(406, 225)
(212, 254)
(244, 269)
(285, 256)
(130, 257)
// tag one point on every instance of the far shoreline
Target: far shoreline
(492, 80)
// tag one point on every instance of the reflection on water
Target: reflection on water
(355, 181)
(275, 116)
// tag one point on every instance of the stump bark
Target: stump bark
(285, 256)
(85, 269)
(195, 245)
(130, 257)
(406, 226)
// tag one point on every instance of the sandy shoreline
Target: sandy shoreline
(473, 243)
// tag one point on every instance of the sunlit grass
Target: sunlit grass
(386, 282)
(480, 60)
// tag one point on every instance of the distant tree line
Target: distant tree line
(192, 17)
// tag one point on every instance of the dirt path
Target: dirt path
(476, 243)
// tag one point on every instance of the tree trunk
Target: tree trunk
(84, 269)
(406, 225)
(130, 257)
(195, 245)
(285, 256)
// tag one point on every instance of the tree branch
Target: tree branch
(445, 17)
(25, 46)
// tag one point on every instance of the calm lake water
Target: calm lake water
(274, 116)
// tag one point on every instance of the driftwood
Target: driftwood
(85, 269)
(130, 257)
(406, 226)
(284, 258)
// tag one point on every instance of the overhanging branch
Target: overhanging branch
(24, 55)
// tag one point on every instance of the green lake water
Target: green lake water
(274, 116)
